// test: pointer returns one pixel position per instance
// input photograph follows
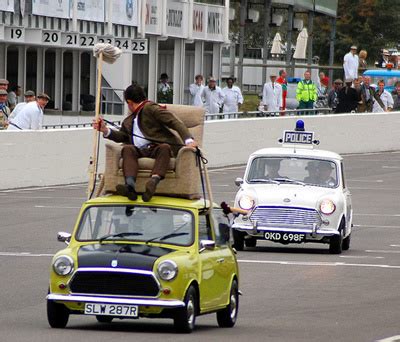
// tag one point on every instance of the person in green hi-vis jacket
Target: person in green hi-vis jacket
(306, 92)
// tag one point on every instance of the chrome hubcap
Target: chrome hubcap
(190, 311)
(233, 306)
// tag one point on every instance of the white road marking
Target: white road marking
(54, 207)
(375, 226)
(390, 167)
(394, 245)
(44, 197)
(382, 251)
(308, 263)
(227, 168)
(25, 254)
(365, 181)
(390, 339)
(380, 215)
(360, 257)
(44, 188)
(374, 189)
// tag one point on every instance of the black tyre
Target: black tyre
(185, 318)
(250, 242)
(346, 243)
(57, 314)
(104, 319)
(238, 240)
(227, 317)
(335, 244)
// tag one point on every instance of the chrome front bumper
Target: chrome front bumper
(111, 300)
(315, 231)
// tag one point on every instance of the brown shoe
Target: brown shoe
(151, 186)
(126, 191)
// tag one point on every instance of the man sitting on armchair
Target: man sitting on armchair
(146, 133)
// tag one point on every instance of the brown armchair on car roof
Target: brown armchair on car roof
(182, 179)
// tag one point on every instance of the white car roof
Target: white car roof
(298, 152)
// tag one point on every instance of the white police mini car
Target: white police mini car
(294, 194)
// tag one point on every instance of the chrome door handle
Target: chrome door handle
(220, 260)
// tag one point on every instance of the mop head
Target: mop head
(110, 53)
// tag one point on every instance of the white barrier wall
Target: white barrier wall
(41, 158)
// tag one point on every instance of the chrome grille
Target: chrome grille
(285, 217)
(104, 282)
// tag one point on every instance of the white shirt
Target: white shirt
(195, 91)
(12, 98)
(213, 99)
(350, 66)
(17, 109)
(164, 87)
(387, 100)
(30, 117)
(272, 96)
(138, 142)
(232, 97)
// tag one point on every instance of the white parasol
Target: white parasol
(301, 45)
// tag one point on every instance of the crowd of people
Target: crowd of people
(26, 115)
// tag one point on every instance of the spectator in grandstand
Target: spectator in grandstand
(384, 100)
(362, 59)
(333, 94)
(347, 98)
(306, 92)
(233, 98)
(13, 96)
(29, 97)
(212, 97)
(383, 59)
(367, 95)
(272, 95)
(31, 116)
(283, 82)
(351, 63)
(323, 84)
(4, 110)
(396, 96)
(196, 89)
(3, 84)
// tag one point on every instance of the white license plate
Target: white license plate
(284, 237)
(111, 310)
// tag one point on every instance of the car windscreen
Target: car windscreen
(317, 172)
(136, 223)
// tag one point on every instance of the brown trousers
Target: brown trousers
(160, 152)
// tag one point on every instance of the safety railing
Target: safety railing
(257, 114)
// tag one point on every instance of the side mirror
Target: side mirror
(239, 181)
(207, 245)
(64, 237)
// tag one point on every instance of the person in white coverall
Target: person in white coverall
(272, 95)
(212, 97)
(350, 64)
(196, 89)
(31, 116)
(233, 98)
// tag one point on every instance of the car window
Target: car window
(205, 232)
(221, 227)
(138, 223)
(317, 172)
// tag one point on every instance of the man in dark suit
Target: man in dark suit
(146, 132)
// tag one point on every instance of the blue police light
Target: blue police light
(299, 126)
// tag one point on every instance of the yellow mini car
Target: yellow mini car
(166, 258)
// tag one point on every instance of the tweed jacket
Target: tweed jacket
(156, 123)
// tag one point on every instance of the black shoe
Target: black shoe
(127, 191)
(151, 186)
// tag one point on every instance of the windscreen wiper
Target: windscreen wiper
(263, 180)
(123, 234)
(289, 180)
(166, 237)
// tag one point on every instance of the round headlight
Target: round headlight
(327, 207)
(167, 270)
(246, 202)
(63, 265)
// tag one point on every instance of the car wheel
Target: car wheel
(346, 242)
(250, 242)
(227, 317)
(335, 244)
(185, 318)
(238, 240)
(57, 314)
(104, 319)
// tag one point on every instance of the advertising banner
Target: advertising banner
(7, 5)
(51, 8)
(92, 10)
(177, 19)
(125, 12)
(153, 20)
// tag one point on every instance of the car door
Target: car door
(211, 260)
(347, 204)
